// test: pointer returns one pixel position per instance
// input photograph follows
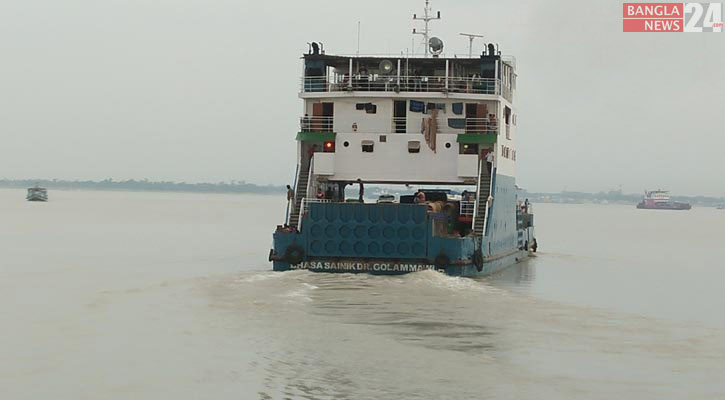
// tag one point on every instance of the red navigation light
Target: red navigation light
(329, 147)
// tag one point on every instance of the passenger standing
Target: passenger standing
(291, 199)
(490, 158)
(306, 123)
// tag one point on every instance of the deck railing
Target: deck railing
(403, 83)
(468, 125)
(316, 124)
(313, 200)
(467, 208)
(399, 125)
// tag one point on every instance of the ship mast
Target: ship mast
(426, 18)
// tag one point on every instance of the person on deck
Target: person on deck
(291, 199)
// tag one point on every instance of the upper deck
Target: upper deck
(486, 77)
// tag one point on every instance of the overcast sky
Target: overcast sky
(205, 90)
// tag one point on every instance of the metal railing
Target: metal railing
(483, 125)
(468, 125)
(467, 208)
(316, 124)
(404, 83)
(399, 125)
(305, 208)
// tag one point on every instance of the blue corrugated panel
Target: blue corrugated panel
(366, 230)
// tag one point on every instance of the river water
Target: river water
(118, 295)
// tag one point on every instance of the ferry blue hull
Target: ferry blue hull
(396, 267)
(394, 239)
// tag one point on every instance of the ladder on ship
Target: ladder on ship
(300, 192)
(483, 191)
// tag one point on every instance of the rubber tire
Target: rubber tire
(294, 254)
(441, 261)
(478, 260)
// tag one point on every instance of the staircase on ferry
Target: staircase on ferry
(300, 193)
(483, 190)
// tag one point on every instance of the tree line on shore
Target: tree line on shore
(144, 185)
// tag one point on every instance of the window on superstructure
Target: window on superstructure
(507, 119)
(367, 146)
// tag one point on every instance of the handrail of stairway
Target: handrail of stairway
(478, 194)
(490, 190)
(302, 202)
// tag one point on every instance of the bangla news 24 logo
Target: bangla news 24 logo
(672, 17)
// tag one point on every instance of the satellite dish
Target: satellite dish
(436, 45)
(386, 66)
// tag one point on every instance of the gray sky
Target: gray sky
(204, 90)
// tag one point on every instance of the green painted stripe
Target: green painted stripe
(469, 138)
(316, 136)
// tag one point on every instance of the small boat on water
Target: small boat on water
(37, 194)
(721, 207)
(660, 200)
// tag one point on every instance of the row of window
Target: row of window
(507, 152)
(368, 146)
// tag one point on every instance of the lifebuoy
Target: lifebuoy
(478, 260)
(441, 261)
(294, 254)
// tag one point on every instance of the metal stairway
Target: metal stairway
(483, 190)
(300, 192)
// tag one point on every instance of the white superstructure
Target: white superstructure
(408, 120)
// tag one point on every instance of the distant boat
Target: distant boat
(721, 207)
(37, 194)
(660, 200)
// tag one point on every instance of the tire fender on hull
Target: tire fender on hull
(294, 254)
(478, 260)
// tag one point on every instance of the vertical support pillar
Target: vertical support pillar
(398, 83)
(349, 76)
(446, 74)
(497, 81)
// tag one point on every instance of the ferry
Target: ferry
(442, 128)
(660, 200)
(37, 194)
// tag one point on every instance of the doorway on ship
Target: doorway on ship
(322, 115)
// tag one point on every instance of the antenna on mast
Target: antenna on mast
(357, 53)
(426, 18)
(471, 36)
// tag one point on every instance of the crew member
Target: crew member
(291, 199)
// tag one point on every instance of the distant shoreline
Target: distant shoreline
(613, 197)
(144, 186)
(240, 187)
